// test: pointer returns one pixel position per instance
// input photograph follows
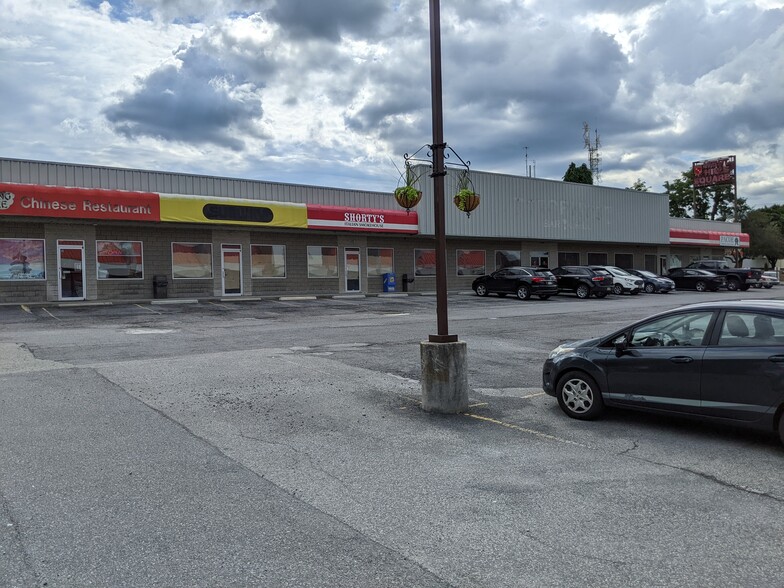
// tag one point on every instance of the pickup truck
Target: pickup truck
(738, 278)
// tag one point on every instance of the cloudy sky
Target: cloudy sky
(334, 92)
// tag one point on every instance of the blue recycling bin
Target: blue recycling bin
(389, 282)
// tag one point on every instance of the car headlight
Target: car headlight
(560, 350)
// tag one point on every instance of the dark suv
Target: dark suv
(520, 281)
(584, 281)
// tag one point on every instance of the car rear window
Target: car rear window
(543, 272)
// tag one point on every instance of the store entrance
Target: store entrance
(353, 275)
(70, 268)
(232, 269)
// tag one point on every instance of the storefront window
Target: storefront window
(268, 261)
(322, 262)
(424, 262)
(22, 259)
(119, 260)
(597, 259)
(380, 261)
(565, 258)
(540, 259)
(470, 262)
(506, 258)
(191, 260)
(624, 260)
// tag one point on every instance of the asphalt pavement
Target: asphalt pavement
(283, 445)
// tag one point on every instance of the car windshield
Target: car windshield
(616, 271)
(601, 272)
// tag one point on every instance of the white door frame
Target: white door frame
(352, 251)
(68, 245)
(230, 248)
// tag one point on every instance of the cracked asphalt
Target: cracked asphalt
(281, 443)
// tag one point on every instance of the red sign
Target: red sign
(59, 202)
(360, 219)
(709, 238)
(712, 172)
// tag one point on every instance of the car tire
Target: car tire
(601, 294)
(781, 428)
(523, 292)
(583, 291)
(700, 286)
(481, 290)
(733, 285)
(579, 396)
(650, 288)
(617, 289)
(543, 296)
(768, 286)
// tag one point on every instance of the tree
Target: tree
(765, 227)
(579, 175)
(712, 202)
(639, 185)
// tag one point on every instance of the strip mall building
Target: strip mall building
(74, 232)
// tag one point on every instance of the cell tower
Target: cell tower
(594, 158)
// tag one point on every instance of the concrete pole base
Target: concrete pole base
(444, 376)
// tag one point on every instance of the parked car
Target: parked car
(623, 281)
(521, 281)
(696, 279)
(721, 361)
(769, 279)
(653, 283)
(583, 281)
(737, 278)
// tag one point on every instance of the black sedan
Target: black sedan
(721, 361)
(652, 282)
(517, 280)
(696, 279)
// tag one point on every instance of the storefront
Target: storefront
(72, 233)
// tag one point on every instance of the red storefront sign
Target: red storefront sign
(708, 238)
(360, 219)
(60, 202)
(712, 172)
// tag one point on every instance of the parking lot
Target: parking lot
(310, 407)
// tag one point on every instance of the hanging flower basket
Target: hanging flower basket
(466, 200)
(408, 197)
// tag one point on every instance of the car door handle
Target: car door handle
(776, 358)
(681, 359)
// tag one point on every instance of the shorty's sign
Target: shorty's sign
(59, 202)
(712, 172)
(359, 219)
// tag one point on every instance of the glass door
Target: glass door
(353, 275)
(70, 269)
(232, 269)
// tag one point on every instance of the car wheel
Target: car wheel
(768, 286)
(732, 285)
(701, 286)
(544, 296)
(583, 291)
(617, 289)
(523, 292)
(579, 396)
(781, 428)
(650, 288)
(481, 290)
(601, 294)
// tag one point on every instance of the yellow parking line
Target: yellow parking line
(524, 430)
(27, 309)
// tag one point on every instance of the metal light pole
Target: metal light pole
(444, 365)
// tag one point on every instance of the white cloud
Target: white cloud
(325, 93)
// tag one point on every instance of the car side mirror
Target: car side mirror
(621, 345)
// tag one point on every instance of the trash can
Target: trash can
(160, 286)
(389, 282)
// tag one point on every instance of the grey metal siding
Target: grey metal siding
(85, 176)
(698, 224)
(530, 208)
